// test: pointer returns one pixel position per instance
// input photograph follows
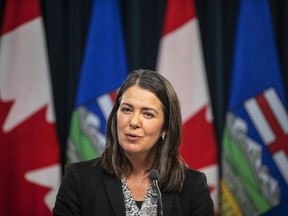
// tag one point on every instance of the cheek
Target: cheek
(153, 129)
(121, 121)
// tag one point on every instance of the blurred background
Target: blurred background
(66, 28)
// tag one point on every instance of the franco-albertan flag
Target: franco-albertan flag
(255, 140)
(180, 59)
(29, 156)
(103, 71)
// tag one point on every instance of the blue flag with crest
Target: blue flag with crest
(255, 140)
(103, 71)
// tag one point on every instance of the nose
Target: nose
(135, 121)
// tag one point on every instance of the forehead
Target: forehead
(140, 95)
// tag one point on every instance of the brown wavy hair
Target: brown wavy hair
(168, 162)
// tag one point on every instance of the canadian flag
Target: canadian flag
(29, 156)
(180, 60)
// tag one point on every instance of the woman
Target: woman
(143, 133)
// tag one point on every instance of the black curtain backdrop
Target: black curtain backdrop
(66, 23)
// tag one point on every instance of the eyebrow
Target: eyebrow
(143, 108)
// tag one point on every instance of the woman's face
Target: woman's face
(140, 121)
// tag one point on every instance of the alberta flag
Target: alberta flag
(103, 71)
(181, 61)
(29, 155)
(255, 140)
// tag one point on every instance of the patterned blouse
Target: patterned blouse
(149, 205)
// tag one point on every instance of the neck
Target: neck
(140, 163)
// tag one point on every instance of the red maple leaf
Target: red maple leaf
(30, 145)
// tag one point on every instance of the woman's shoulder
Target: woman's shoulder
(195, 194)
(84, 166)
(190, 171)
(84, 171)
(86, 163)
(192, 175)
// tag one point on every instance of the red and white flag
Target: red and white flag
(29, 155)
(180, 59)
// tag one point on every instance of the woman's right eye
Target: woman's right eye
(126, 109)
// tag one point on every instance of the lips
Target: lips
(132, 137)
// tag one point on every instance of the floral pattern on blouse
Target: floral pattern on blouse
(149, 205)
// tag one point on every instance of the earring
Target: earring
(163, 137)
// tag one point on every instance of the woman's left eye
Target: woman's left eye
(149, 115)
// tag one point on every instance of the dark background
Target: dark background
(67, 21)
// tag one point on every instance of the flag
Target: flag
(29, 156)
(103, 71)
(180, 60)
(255, 140)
